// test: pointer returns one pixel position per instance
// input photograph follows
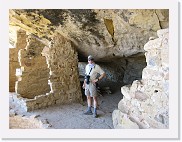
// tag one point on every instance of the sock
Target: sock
(89, 108)
(95, 110)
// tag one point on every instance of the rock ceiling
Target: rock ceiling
(106, 34)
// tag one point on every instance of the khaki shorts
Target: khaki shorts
(90, 90)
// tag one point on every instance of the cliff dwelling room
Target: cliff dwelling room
(48, 54)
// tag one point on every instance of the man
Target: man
(91, 71)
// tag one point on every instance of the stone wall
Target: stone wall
(34, 73)
(31, 122)
(64, 77)
(13, 57)
(145, 102)
(62, 63)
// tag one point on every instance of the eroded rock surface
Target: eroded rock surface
(104, 33)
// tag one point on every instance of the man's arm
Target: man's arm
(100, 77)
(84, 82)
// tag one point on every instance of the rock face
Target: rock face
(145, 102)
(106, 34)
(134, 68)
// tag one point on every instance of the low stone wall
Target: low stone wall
(145, 104)
(19, 122)
(37, 102)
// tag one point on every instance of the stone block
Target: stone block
(165, 57)
(58, 101)
(50, 103)
(126, 92)
(40, 98)
(140, 121)
(12, 113)
(153, 44)
(56, 95)
(162, 33)
(135, 104)
(123, 107)
(154, 124)
(154, 61)
(121, 121)
(72, 90)
(165, 86)
(141, 96)
(149, 73)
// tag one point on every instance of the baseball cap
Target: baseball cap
(90, 57)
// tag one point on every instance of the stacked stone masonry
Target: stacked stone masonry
(62, 78)
(13, 57)
(145, 102)
(34, 73)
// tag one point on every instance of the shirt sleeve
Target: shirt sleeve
(86, 70)
(99, 69)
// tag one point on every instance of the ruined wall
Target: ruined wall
(13, 57)
(33, 74)
(145, 102)
(61, 68)
(64, 77)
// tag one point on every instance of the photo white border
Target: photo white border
(171, 133)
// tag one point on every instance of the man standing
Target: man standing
(89, 84)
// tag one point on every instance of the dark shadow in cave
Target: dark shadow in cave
(119, 72)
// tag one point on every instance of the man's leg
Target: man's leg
(95, 106)
(89, 111)
(89, 102)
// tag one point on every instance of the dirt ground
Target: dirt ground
(71, 116)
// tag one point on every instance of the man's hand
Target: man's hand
(83, 86)
(96, 80)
